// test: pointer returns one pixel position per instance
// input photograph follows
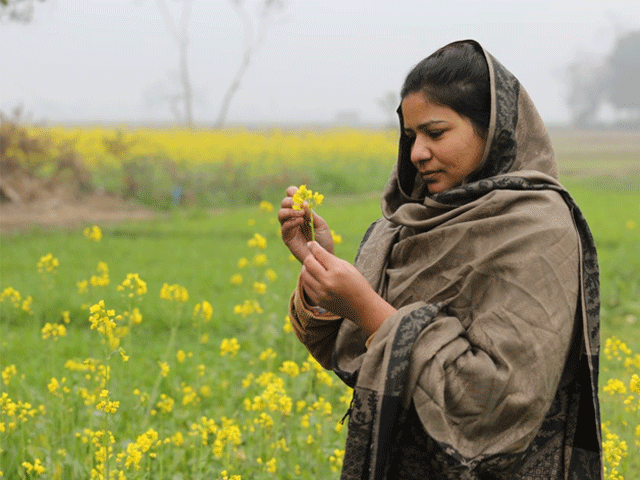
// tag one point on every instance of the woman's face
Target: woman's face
(445, 148)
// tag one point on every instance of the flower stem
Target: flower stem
(313, 233)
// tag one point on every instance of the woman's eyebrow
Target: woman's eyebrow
(425, 125)
(430, 123)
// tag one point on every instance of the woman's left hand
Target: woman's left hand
(336, 285)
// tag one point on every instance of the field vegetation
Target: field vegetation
(161, 349)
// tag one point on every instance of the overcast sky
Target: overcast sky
(105, 61)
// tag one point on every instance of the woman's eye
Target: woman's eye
(435, 133)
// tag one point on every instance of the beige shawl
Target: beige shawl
(496, 287)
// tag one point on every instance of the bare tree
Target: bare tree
(586, 79)
(17, 10)
(594, 81)
(254, 35)
(179, 32)
(624, 67)
(388, 103)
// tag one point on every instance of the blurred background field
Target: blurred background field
(234, 392)
(205, 168)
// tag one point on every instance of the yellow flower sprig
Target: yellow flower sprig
(307, 199)
(93, 233)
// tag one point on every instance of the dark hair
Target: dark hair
(456, 76)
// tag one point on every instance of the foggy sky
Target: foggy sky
(106, 61)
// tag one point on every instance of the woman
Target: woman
(468, 326)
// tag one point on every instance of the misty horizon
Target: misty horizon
(321, 64)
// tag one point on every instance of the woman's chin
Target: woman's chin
(436, 187)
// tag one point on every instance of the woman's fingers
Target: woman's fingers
(286, 213)
(317, 264)
(291, 191)
(310, 284)
(323, 257)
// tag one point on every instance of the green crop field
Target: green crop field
(162, 349)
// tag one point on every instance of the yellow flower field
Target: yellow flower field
(264, 149)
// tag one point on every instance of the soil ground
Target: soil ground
(56, 212)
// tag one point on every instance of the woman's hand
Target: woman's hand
(339, 287)
(296, 229)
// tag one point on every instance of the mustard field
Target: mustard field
(162, 349)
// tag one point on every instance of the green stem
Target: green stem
(313, 233)
(154, 392)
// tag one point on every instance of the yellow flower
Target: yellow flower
(53, 331)
(134, 316)
(267, 354)
(336, 460)
(325, 378)
(634, 384)
(236, 279)
(258, 241)
(271, 275)
(177, 439)
(8, 373)
(304, 196)
(264, 420)
(260, 260)
(614, 386)
(13, 295)
(189, 395)
(26, 305)
(174, 292)
(266, 206)
(243, 262)
(247, 308)
(53, 386)
(631, 224)
(102, 279)
(180, 356)
(337, 239)
(35, 467)
(165, 404)
(164, 368)
(48, 264)
(615, 348)
(107, 406)
(229, 346)
(271, 466)
(93, 233)
(306, 199)
(83, 286)
(203, 310)
(225, 476)
(133, 284)
(291, 368)
(259, 287)
(104, 321)
(287, 325)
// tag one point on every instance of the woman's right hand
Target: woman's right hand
(296, 229)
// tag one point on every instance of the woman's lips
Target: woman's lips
(430, 174)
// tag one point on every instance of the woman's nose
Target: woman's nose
(420, 151)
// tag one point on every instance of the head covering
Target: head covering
(446, 262)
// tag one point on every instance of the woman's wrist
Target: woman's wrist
(375, 311)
